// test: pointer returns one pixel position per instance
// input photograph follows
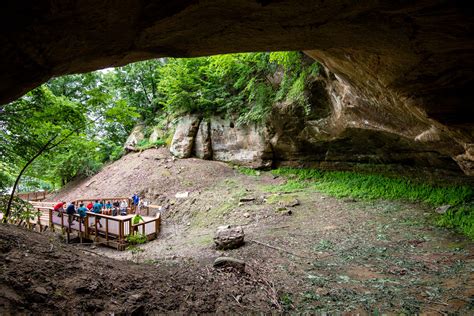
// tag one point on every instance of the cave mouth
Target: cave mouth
(342, 166)
(404, 66)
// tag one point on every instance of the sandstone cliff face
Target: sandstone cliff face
(342, 127)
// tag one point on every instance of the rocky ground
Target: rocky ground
(304, 251)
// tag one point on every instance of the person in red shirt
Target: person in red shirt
(90, 206)
(59, 208)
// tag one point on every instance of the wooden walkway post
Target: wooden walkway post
(96, 231)
(68, 228)
(80, 229)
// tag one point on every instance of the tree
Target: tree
(35, 124)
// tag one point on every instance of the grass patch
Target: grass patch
(371, 186)
(146, 144)
(460, 218)
(248, 171)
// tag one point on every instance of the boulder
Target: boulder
(202, 143)
(183, 139)
(229, 237)
(223, 262)
(134, 138)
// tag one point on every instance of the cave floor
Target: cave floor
(334, 255)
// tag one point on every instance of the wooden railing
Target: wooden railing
(33, 196)
(105, 229)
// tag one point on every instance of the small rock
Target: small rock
(223, 262)
(246, 214)
(443, 209)
(229, 237)
(293, 203)
(136, 296)
(238, 298)
(350, 200)
(41, 290)
(241, 203)
(188, 224)
(182, 195)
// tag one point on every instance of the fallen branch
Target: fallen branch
(93, 252)
(281, 249)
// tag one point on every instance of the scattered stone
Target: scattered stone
(293, 203)
(229, 237)
(223, 262)
(246, 214)
(443, 209)
(136, 297)
(41, 290)
(182, 195)
(241, 203)
(188, 224)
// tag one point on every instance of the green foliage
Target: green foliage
(21, 210)
(461, 218)
(235, 84)
(370, 186)
(248, 171)
(136, 238)
(146, 144)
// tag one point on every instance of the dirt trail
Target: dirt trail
(340, 255)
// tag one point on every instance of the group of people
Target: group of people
(113, 208)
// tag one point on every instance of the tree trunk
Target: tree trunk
(12, 195)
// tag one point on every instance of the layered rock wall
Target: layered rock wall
(343, 126)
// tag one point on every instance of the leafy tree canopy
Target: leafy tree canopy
(92, 114)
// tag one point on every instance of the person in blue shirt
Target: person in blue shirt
(97, 208)
(108, 205)
(135, 201)
(82, 211)
(71, 210)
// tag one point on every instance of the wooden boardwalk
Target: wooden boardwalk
(104, 229)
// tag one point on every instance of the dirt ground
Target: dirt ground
(329, 255)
